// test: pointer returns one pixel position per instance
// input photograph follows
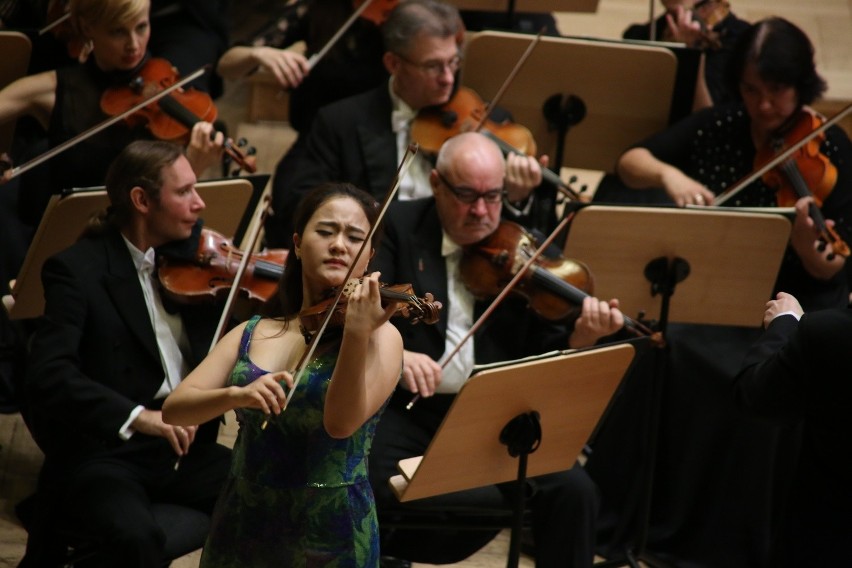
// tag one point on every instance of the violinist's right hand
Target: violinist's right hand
(289, 67)
(420, 373)
(264, 393)
(684, 190)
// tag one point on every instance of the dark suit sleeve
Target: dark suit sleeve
(773, 381)
(57, 387)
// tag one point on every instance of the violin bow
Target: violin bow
(56, 150)
(315, 58)
(743, 183)
(499, 298)
(407, 158)
(551, 176)
(57, 22)
(260, 215)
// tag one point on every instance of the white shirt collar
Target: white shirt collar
(449, 246)
(143, 261)
(401, 114)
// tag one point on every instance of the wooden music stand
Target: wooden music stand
(719, 266)
(16, 48)
(568, 392)
(627, 90)
(733, 259)
(66, 217)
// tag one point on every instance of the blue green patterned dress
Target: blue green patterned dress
(295, 497)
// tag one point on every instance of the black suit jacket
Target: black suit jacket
(410, 252)
(94, 357)
(802, 372)
(350, 140)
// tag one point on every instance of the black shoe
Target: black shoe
(391, 562)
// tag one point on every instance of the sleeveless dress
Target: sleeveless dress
(295, 497)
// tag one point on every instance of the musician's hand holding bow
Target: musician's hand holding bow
(150, 422)
(5, 168)
(638, 168)
(817, 256)
(597, 319)
(420, 373)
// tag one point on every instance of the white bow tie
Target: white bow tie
(400, 120)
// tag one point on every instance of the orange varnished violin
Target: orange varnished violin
(171, 117)
(210, 275)
(408, 306)
(806, 173)
(554, 287)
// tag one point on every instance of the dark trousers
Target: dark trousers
(562, 506)
(107, 501)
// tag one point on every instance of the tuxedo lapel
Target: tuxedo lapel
(377, 140)
(427, 264)
(122, 285)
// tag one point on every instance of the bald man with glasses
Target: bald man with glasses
(361, 139)
(423, 245)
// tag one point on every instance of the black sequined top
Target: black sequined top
(714, 146)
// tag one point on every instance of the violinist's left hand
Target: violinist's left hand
(523, 174)
(205, 147)
(683, 27)
(597, 319)
(805, 240)
(364, 311)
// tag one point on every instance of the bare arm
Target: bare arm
(288, 65)
(368, 364)
(639, 169)
(204, 394)
(34, 95)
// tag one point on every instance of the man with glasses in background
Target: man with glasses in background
(423, 245)
(361, 139)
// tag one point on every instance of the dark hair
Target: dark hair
(288, 301)
(782, 53)
(413, 17)
(140, 164)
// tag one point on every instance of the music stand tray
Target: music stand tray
(66, 217)
(570, 392)
(733, 258)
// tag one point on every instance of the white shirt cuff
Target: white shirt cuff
(126, 431)
(788, 313)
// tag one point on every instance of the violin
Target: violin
(554, 287)
(806, 173)
(171, 117)
(210, 275)
(408, 305)
(464, 112)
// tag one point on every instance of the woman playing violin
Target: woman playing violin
(66, 101)
(298, 493)
(773, 70)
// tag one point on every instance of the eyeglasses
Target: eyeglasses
(470, 196)
(434, 68)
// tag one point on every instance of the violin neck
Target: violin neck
(268, 270)
(394, 295)
(791, 170)
(574, 295)
(557, 286)
(178, 112)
